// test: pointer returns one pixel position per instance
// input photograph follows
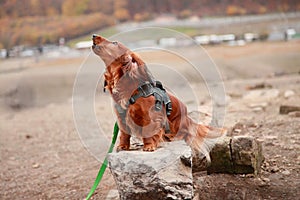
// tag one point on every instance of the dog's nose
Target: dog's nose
(94, 35)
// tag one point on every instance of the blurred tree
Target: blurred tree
(262, 9)
(184, 14)
(120, 10)
(139, 17)
(6, 40)
(235, 10)
(35, 7)
(73, 7)
(107, 7)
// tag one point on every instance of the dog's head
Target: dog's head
(125, 70)
(111, 51)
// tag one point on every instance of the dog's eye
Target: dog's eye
(114, 42)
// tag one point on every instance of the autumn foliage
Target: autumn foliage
(40, 30)
(44, 21)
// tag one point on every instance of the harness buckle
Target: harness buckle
(146, 89)
(131, 100)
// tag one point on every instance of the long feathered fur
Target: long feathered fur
(125, 71)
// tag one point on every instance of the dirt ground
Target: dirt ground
(42, 156)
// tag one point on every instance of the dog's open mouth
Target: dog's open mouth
(95, 46)
(94, 40)
(94, 43)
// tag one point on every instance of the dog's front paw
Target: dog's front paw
(122, 148)
(149, 147)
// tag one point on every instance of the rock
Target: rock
(35, 165)
(112, 195)
(236, 155)
(285, 109)
(294, 114)
(286, 172)
(27, 136)
(258, 105)
(261, 95)
(221, 160)
(257, 109)
(246, 154)
(274, 169)
(153, 175)
(266, 180)
(237, 130)
(263, 181)
(258, 86)
(287, 94)
(199, 163)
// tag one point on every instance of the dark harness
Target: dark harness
(161, 97)
(147, 89)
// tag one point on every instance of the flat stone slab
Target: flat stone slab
(161, 174)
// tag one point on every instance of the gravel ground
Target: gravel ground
(42, 156)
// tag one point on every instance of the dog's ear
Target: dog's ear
(137, 59)
(126, 58)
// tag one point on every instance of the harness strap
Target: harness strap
(161, 98)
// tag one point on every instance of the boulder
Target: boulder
(221, 158)
(246, 154)
(163, 174)
(236, 155)
(286, 109)
(167, 172)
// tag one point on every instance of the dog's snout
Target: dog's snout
(94, 36)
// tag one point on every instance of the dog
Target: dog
(142, 105)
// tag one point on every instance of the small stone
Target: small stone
(237, 130)
(35, 165)
(257, 109)
(274, 169)
(286, 172)
(263, 182)
(255, 105)
(288, 94)
(242, 175)
(12, 158)
(266, 180)
(112, 195)
(54, 176)
(250, 176)
(258, 86)
(28, 136)
(270, 137)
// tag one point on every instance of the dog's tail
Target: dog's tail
(202, 138)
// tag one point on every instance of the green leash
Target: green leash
(104, 164)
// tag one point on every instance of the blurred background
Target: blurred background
(43, 43)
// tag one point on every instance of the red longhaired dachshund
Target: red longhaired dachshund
(143, 107)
